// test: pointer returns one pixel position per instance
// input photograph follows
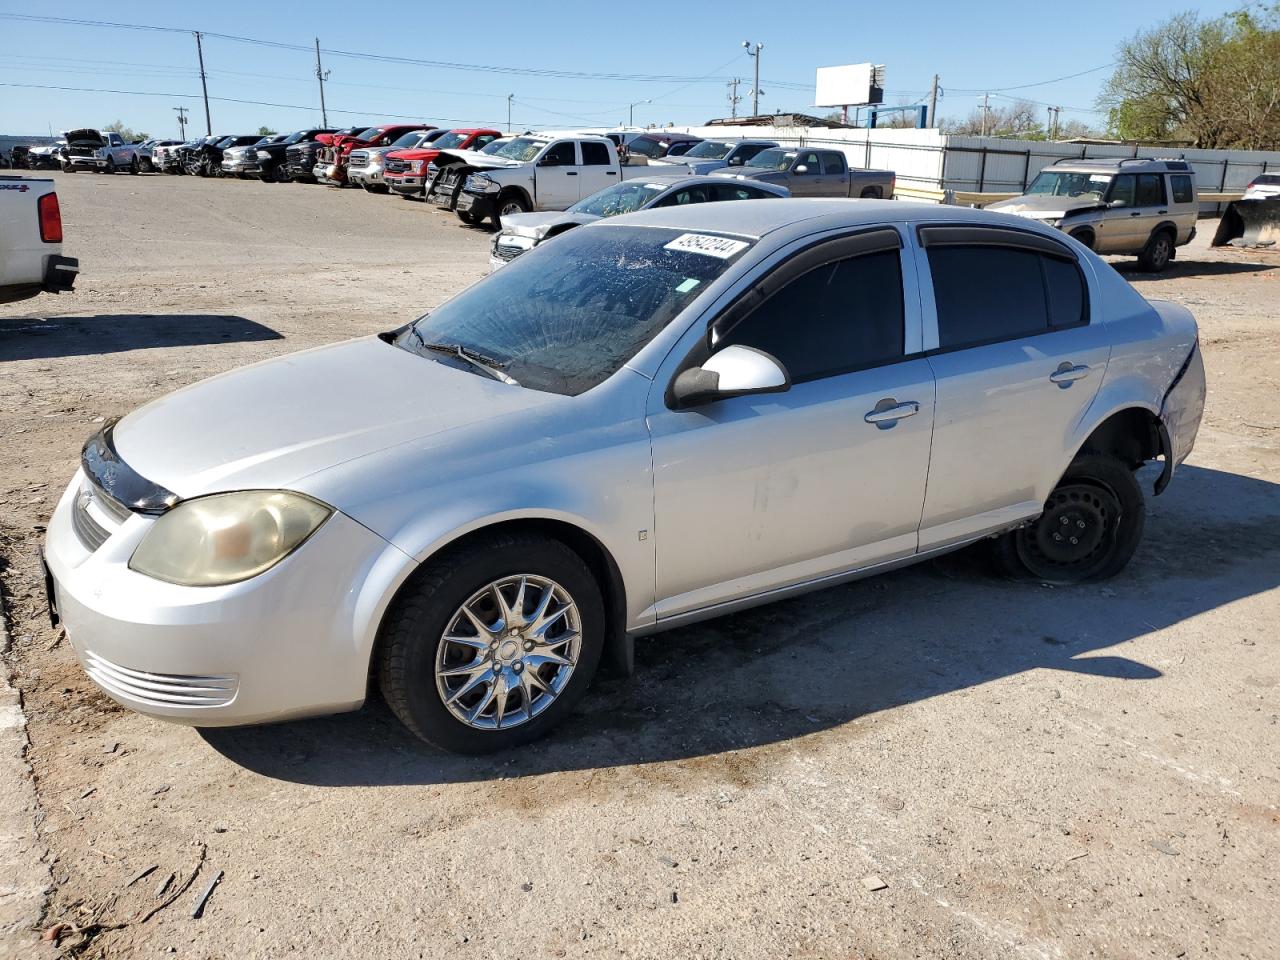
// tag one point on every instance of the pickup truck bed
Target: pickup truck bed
(31, 260)
(810, 172)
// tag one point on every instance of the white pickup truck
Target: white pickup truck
(532, 172)
(31, 258)
(99, 150)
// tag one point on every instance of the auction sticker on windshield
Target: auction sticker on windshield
(720, 247)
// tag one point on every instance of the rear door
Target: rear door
(836, 171)
(557, 176)
(598, 168)
(1017, 359)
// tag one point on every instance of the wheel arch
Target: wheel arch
(1132, 432)
(518, 191)
(599, 559)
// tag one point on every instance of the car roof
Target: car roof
(757, 220)
(1119, 164)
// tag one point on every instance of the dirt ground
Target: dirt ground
(1032, 772)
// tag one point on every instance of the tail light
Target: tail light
(50, 218)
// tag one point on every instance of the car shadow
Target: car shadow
(37, 338)
(1179, 269)
(801, 666)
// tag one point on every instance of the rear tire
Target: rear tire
(414, 648)
(1090, 528)
(1158, 252)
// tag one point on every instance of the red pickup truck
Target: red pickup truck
(406, 170)
(331, 158)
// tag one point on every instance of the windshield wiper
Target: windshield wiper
(478, 360)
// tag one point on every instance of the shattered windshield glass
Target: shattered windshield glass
(625, 197)
(566, 316)
(522, 149)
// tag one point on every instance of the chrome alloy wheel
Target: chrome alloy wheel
(508, 652)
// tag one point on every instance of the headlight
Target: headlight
(481, 183)
(227, 537)
(422, 166)
(264, 155)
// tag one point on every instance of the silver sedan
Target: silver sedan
(658, 418)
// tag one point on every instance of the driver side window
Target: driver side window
(842, 316)
(809, 160)
(1122, 190)
(560, 154)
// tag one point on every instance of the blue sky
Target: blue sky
(696, 47)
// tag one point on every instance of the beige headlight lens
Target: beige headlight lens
(227, 537)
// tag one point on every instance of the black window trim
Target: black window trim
(967, 235)
(880, 238)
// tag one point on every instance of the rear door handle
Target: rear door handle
(889, 411)
(571, 173)
(1068, 373)
(1136, 213)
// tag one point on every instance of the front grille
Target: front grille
(160, 689)
(507, 252)
(358, 159)
(95, 516)
(399, 166)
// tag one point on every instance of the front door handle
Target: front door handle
(1136, 213)
(1068, 373)
(889, 411)
(571, 173)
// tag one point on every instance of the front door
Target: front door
(757, 493)
(1017, 363)
(558, 173)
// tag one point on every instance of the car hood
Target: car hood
(80, 138)
(1040, 207)
(538, 225)
(475, 158)
(414, 153)
(274, 423)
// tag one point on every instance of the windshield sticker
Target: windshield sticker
(1098, 178)
(721, 248)
(688, 285)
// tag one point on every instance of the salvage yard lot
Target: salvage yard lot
(1032, 772)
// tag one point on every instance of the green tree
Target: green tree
(126, 134)
(1211, 83)
(266, 132)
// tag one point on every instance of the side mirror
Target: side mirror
(1116, 203)
(736, 161)
(734, 371)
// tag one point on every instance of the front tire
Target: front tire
(508, 205)
(1090, 528)
(491, 645)
(134, 167)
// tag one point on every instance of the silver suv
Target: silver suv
(1114, 206)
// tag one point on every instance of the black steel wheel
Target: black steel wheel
(1089, 530)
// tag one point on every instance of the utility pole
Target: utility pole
(631, 113)
(933, 103)
(755, 90)
(1053, 122)
(510, 97)
(182, 122)
(208, 124)
(986, 98)
(322, 75)
(734, 99)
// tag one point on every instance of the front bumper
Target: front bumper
(241, 166)
(409, 186)
(365, 175)
(294, 641)
(89, 163)
(479, 205)
(329, 173)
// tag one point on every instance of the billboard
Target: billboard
(853, 84)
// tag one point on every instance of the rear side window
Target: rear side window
(833, 163)
(989, 294)
(838, 317)
(1182, 192)
(595, 155)
(1150, 190)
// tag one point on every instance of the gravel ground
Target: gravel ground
(1031, 772)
